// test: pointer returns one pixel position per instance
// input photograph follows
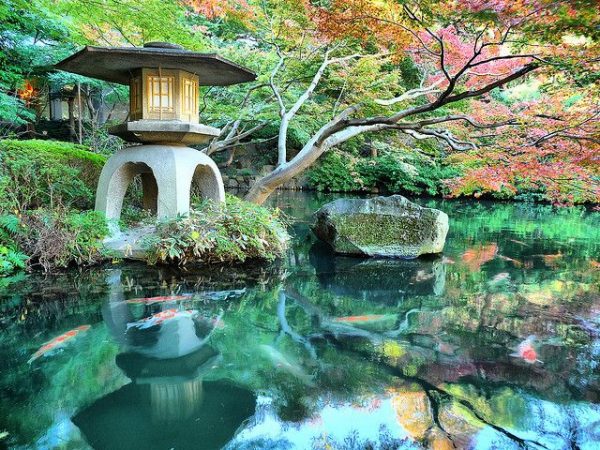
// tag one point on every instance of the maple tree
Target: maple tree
(469, 55)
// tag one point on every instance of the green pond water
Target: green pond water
(495, 344)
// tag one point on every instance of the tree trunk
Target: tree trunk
(71, 107)
(265, 186)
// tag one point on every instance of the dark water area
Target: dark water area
(494, 344)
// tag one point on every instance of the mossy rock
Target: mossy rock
(381, 226)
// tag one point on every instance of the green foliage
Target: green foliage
(335, 172)
(230, 232)
(55, 239)
(395, 171)
(11, 259)
(46, 173)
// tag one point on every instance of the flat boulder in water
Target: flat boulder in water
(381, 226)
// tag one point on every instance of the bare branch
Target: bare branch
(411, 94)
(274, 88)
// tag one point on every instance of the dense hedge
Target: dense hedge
(35, 173)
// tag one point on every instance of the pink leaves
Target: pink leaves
(477, 61)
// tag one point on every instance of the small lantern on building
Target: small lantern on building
(164, 82)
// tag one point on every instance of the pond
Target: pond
(495, 344)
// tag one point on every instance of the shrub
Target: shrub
(394, 171)
(58, 238)
(230, 232)
(37, 173)
(335, 172)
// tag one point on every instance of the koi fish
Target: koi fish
(475, 257)
(423, 276)
(519, 242)
(550, 260)
(526, 351)
(283, 364)
(499, 278)
(446, 260)
(162, 299)
(359, 319)
(517, 263)
(57, 342)
(594, 264)
(159, 318)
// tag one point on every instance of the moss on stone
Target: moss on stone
(388, 226)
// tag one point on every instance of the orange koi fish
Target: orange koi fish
(158, 318)
(526, 351)
(162, 299)
(594, 264)
(359, 319)
(475, 257)
(57, 342)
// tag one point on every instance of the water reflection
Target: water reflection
(322, 351)
(167, 404)
(377, 279)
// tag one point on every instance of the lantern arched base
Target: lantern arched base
(167, 172)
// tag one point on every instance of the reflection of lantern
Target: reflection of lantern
(167, 405)
(175, 401)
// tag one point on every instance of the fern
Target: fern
(9, 223)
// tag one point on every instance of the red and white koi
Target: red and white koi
(58, 342)
(161, 299)
(159, 318)
(359, 319)
(526, 351)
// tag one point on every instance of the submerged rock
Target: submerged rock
(381, 226)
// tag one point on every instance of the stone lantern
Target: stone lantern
(164, 81)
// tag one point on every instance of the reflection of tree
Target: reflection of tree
(497, 409)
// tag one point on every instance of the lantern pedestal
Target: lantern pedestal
(167, 173)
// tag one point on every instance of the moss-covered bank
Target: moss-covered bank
(35, 173)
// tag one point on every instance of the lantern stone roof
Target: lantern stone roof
(116, 64)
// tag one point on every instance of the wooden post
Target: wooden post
(79, 113)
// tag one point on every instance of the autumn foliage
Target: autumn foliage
(549, 144)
